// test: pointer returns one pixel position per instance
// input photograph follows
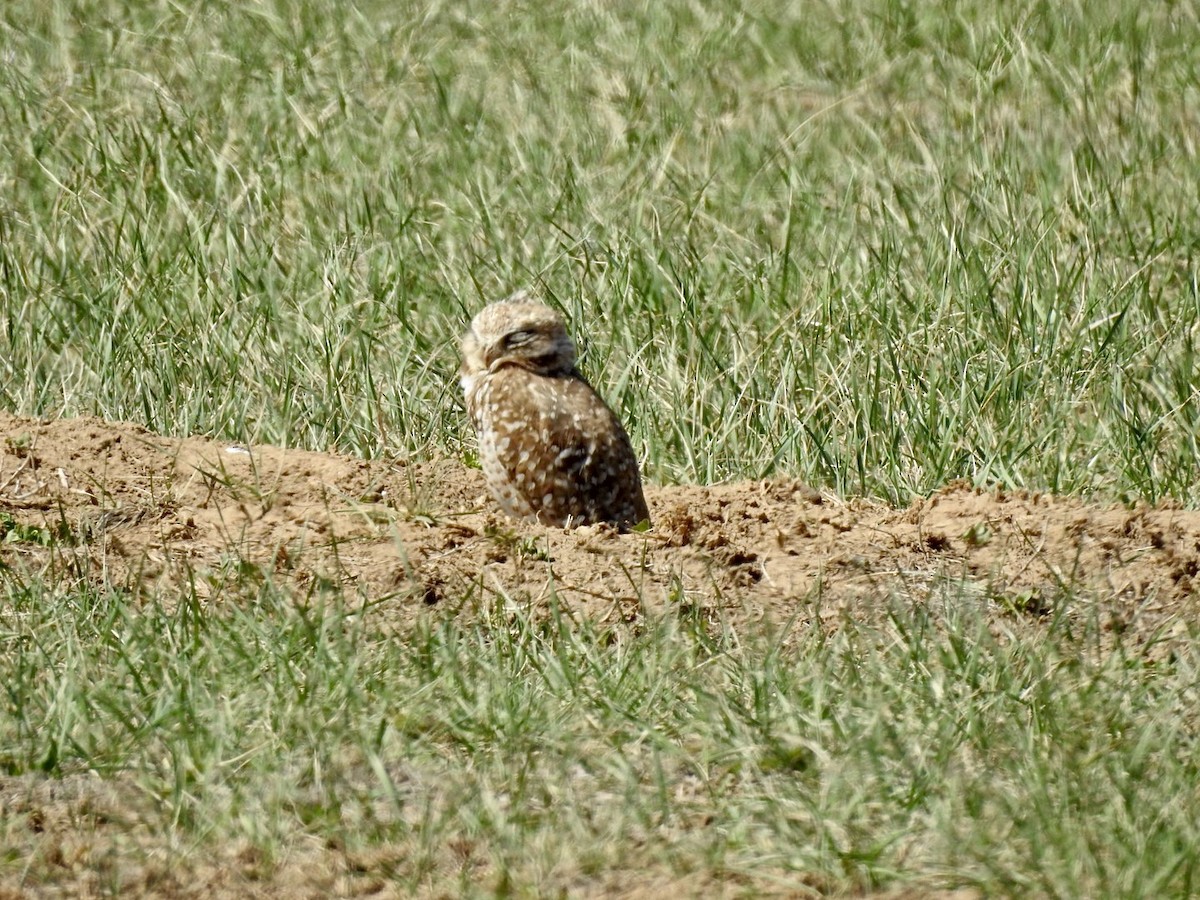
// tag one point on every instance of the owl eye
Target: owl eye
(517, 339)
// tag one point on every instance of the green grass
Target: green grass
(546, 751)
(877, 245)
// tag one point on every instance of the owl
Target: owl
(551, 450)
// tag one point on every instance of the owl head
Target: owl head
(518, 332)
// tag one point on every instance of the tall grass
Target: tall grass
(877, 245)
(502, 751)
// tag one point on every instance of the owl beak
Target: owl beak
(478, 356)
(491, 355)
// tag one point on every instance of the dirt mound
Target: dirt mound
(152, 512)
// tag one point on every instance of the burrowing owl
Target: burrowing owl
(552, 451)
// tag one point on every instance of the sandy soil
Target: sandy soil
(416, 536)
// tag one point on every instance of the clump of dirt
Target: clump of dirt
(410, 535)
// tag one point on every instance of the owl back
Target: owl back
(553, 451)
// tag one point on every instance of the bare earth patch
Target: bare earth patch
(158, 511)
(421, 537)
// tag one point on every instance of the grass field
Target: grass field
(877, 245)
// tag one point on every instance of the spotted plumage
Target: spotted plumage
(551, 450)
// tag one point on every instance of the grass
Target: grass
(507, 753)
(876, 245)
